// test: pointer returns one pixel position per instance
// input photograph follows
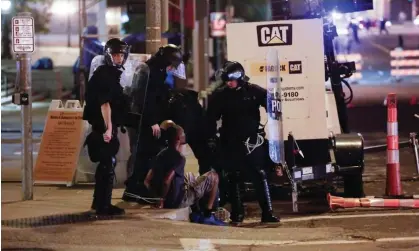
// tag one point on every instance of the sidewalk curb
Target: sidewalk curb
(181, 214)
(57, 219)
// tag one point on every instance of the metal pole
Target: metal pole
(414, 141)
(268, 10)
(218, 41)
(200, 45)
(229, 11)
(164, 18)
(182, 25)
(68, 27)
(26, 112)
(153, 26)
(205, 59)
(24, 69)
(82, 70)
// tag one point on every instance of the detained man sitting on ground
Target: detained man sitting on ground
(168, 181)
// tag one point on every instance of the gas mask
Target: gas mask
(179, 71)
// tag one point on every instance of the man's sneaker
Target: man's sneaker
(212, 221)
(222, 214)
(195, 217)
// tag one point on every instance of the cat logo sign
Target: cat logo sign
(274, 34)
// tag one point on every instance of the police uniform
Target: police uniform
(104, 87)
(240, 144)
(149, 97)
(186, 111)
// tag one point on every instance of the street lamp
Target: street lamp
(64, 8)
(5, 6)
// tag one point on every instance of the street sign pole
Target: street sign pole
(218, 30)
(23, 46)
(218, 53)
(82, 67)
(26, 111)
(182, 25)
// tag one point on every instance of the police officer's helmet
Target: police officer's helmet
(171, 55)
(232, 70)
(113, 46)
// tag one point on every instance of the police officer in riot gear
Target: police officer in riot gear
(237, 103)
(106, 107)
(150, 97)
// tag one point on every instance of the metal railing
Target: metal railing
(45, 83)
(7, 87)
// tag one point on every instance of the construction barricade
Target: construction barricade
(404, 63)
(394, 197)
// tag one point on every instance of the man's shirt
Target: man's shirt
(169, 159)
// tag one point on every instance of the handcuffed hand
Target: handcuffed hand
(159, 204)
(156, 130)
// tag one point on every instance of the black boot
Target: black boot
(237, 208)
(104, 197)
(98, 183)
(93, 206)
(264, 199)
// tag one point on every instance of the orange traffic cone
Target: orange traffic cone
(394, 185)
(340, 202)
